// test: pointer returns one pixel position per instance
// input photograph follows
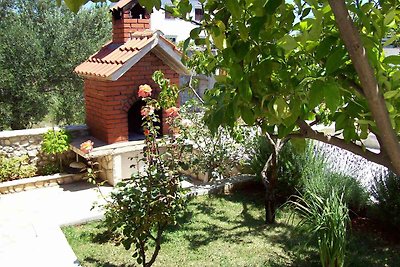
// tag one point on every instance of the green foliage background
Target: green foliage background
(40, 45)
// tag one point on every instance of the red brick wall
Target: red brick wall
(124, 27)
(108, 102)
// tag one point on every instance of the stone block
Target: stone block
(32, 153)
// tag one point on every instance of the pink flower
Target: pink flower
(144, 91)
(87, 146)
(172, 112)
(146, 111)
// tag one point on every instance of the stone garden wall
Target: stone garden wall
(28, 142)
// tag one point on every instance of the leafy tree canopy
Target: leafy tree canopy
(288, 65)
(40, 44)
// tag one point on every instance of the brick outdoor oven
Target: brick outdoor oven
(112, 75)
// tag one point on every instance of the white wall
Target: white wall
(172, 27)
(391, 51)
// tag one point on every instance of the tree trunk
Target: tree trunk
(160, 231)
(370, 87)
(270, 177)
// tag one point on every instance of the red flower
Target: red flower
(146, 132)
(87, 146)
(172, 112)
(144, 91)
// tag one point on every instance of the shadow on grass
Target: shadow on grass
(216, 225)
(207, 221)
(368, 249)
(101, 263)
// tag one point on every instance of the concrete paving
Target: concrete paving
(30, 221)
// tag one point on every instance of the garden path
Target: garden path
(30, 221)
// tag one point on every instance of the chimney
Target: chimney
(128, 19)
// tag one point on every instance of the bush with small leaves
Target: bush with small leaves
(55, 142)
(16, 168)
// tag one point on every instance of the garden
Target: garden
(321, 215)
(230, 231)
(302, 89)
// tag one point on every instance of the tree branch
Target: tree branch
(307, 132)
(376, 102)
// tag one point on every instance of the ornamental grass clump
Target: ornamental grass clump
(141, 208)
(327, 220)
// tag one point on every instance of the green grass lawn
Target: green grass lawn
(228, 231)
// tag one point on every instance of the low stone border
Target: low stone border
(38, 182)
(224, 186)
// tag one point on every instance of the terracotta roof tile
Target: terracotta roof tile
(111, 57)
(121, 4)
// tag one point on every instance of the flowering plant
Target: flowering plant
(142, 207)
(144, 91)
(86, 147)
(172, 112)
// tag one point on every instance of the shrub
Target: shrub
(319, 178)
(327, 220)
(355, 196)
(386, 191)
(55, 142)
(215, 154)
(291, 162)
(16, 168)
(142, 207)
(49, 168)
(261, 151)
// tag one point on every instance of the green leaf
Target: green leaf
(324, 47)
(340, 122)
(184, 6)
(349, 133)
(389, 16)
(395, 60)
(186, 44)
(194, 34)
(247, 115)
(288, 42)
(256, 25)
(335, 60)
(243, 31)
(364, 131)
(281, 108)
(245, 92)
(272, 6)
(391, 94)
(74, 5)
(234, 7)
(241, 49)
(332, 96)
(390, 40)
(316, 94)
(284, 131)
